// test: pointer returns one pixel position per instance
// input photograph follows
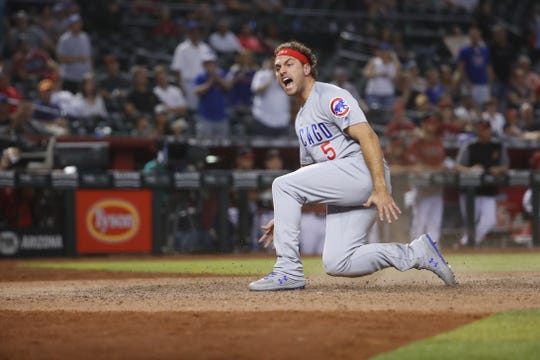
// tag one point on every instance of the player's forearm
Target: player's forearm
(374, 161)
(371, 149)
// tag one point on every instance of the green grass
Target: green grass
(223, 266)
(508, 335)
(312, 265)
(495, 262)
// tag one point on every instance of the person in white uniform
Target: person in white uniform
(343, 168)
(187, 62)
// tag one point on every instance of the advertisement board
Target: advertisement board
(113, 221)
(23, 242)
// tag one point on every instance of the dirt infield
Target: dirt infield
(58, 314)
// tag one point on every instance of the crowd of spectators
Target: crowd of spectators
(213, 76)
(217, 78)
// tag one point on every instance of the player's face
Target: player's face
(291, 74)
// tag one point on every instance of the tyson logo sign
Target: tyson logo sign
(339, 107)
(112, 220)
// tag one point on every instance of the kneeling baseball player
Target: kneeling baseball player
(342, 167)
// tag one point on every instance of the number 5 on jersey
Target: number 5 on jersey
(328, 150)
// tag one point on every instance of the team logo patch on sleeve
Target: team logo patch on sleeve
(339, 107)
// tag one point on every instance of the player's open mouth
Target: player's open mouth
(287, 82)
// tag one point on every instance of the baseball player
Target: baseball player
(427, 154)
(343, 168)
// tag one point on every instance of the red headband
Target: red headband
(293, 53)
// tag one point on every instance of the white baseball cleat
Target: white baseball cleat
(434, 261)
(275, 282)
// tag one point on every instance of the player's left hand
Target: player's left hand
(386, 206)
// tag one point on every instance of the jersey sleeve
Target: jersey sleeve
(342, 108)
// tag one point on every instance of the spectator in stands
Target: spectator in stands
(474, 68)
(503, 54)
(341, 79)
(422, 108)
(395, 155)
(21, 121)
(169, 95)
(161, 125)
(140, 99)
(141, 126)
(31, 64)
(535, 32)
(427, 154)
(223, 40)
(240, 77)
(381, 72)
(468, 113)
(271, 106)
(187, 62)
(512, 129)
(49, 114)
(74, 53)
(165, 26)
(6, 89)
(400, 126)
(270, 37)
(113, 87)
(63, 98)
(88, 104)
(449, 82)
(35, 36)
(532, 78)
(484, 19)
(518, 92)
(529, 123)
(482, 156)
(495, 118)
(248, 39)
(411, 84)
(449, 126)
(211, 87)
(5, 120)
(435, 88)
(49, 24)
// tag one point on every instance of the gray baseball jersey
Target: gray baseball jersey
(321, 122)
(337, 176)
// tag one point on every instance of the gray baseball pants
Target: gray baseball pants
(343, 185)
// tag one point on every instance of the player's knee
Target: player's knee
(335, 266)
(279, 184)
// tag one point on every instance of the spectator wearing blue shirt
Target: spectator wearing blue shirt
(474, 67)
(435, 89)
(211, 87)
(48, 114)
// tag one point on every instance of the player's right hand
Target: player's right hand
(268, 235)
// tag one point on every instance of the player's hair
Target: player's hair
(298, 46)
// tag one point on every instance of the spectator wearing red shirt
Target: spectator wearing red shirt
(427, 154)
(30, 63)
(13, 96)
(165, 27)
(400, 125)
(449, 126)
(248, 39)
